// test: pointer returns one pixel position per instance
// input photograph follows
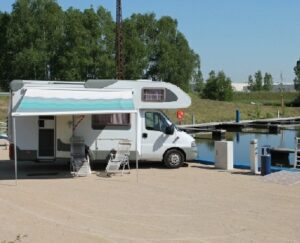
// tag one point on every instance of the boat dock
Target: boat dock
(271, 126)
(217, 131)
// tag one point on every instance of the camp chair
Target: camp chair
(119, 158)
(79, 162)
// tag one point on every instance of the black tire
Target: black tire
(173, 159)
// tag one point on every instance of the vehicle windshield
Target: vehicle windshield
(168, 120)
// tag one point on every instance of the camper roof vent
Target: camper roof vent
(144, 80)
(65, 82)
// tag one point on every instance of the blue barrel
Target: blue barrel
(265, 165)
(237, 116)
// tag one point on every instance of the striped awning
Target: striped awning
(38, 102)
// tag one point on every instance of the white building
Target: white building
(240, 87)
(277, 87)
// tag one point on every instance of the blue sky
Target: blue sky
(236, 36)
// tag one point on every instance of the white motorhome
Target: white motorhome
(47, 114)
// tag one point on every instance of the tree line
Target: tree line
(40, 41)
(259, 82)
(297, 73)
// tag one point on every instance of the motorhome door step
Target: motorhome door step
(45, 161)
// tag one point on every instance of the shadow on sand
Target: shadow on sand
(33, 170)
(58, 170)
(235, 172)
(248, 173)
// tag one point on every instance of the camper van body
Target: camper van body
(153, 136)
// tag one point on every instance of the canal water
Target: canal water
(241, 147)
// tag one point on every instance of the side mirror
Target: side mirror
(170, 130)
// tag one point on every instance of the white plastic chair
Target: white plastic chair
(120, 158)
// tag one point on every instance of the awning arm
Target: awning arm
(136, 149)
(15, 151)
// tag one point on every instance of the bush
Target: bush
(218, 87)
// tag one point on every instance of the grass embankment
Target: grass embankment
(265, 98)
(3, 108)
(212, 111)
(266, 105)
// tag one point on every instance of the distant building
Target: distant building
(287, 87)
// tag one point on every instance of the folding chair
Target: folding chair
(120, 158)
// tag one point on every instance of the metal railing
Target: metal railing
(4, 93)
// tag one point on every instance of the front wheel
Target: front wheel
(173, 159)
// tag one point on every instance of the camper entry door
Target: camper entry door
(46, 137)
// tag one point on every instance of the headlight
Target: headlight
(194, 144)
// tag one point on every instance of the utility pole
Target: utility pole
(119, 43)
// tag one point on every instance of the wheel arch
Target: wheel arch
(176, 148)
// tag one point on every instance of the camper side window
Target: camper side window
(154, 121)
(153, 95)
(117, 119)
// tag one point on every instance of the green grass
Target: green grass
(212, 111)
(265, 98)
(3, 107)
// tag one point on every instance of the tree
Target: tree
(74, 61)
(139, 35)
(250, 83)
(34, 34)
(5, 57)
(174, 61)
(88, 47)
(258, 83)
(104, 55)
(156, 49)
(297, 73)
(197, 79)
(218, 87)
(268, 82)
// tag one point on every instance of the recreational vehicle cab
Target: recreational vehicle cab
(44, 115)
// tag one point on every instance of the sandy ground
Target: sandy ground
(191, 204)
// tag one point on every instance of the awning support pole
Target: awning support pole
(136, 148)
(15, 151)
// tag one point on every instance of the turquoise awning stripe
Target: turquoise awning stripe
(36, 104)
